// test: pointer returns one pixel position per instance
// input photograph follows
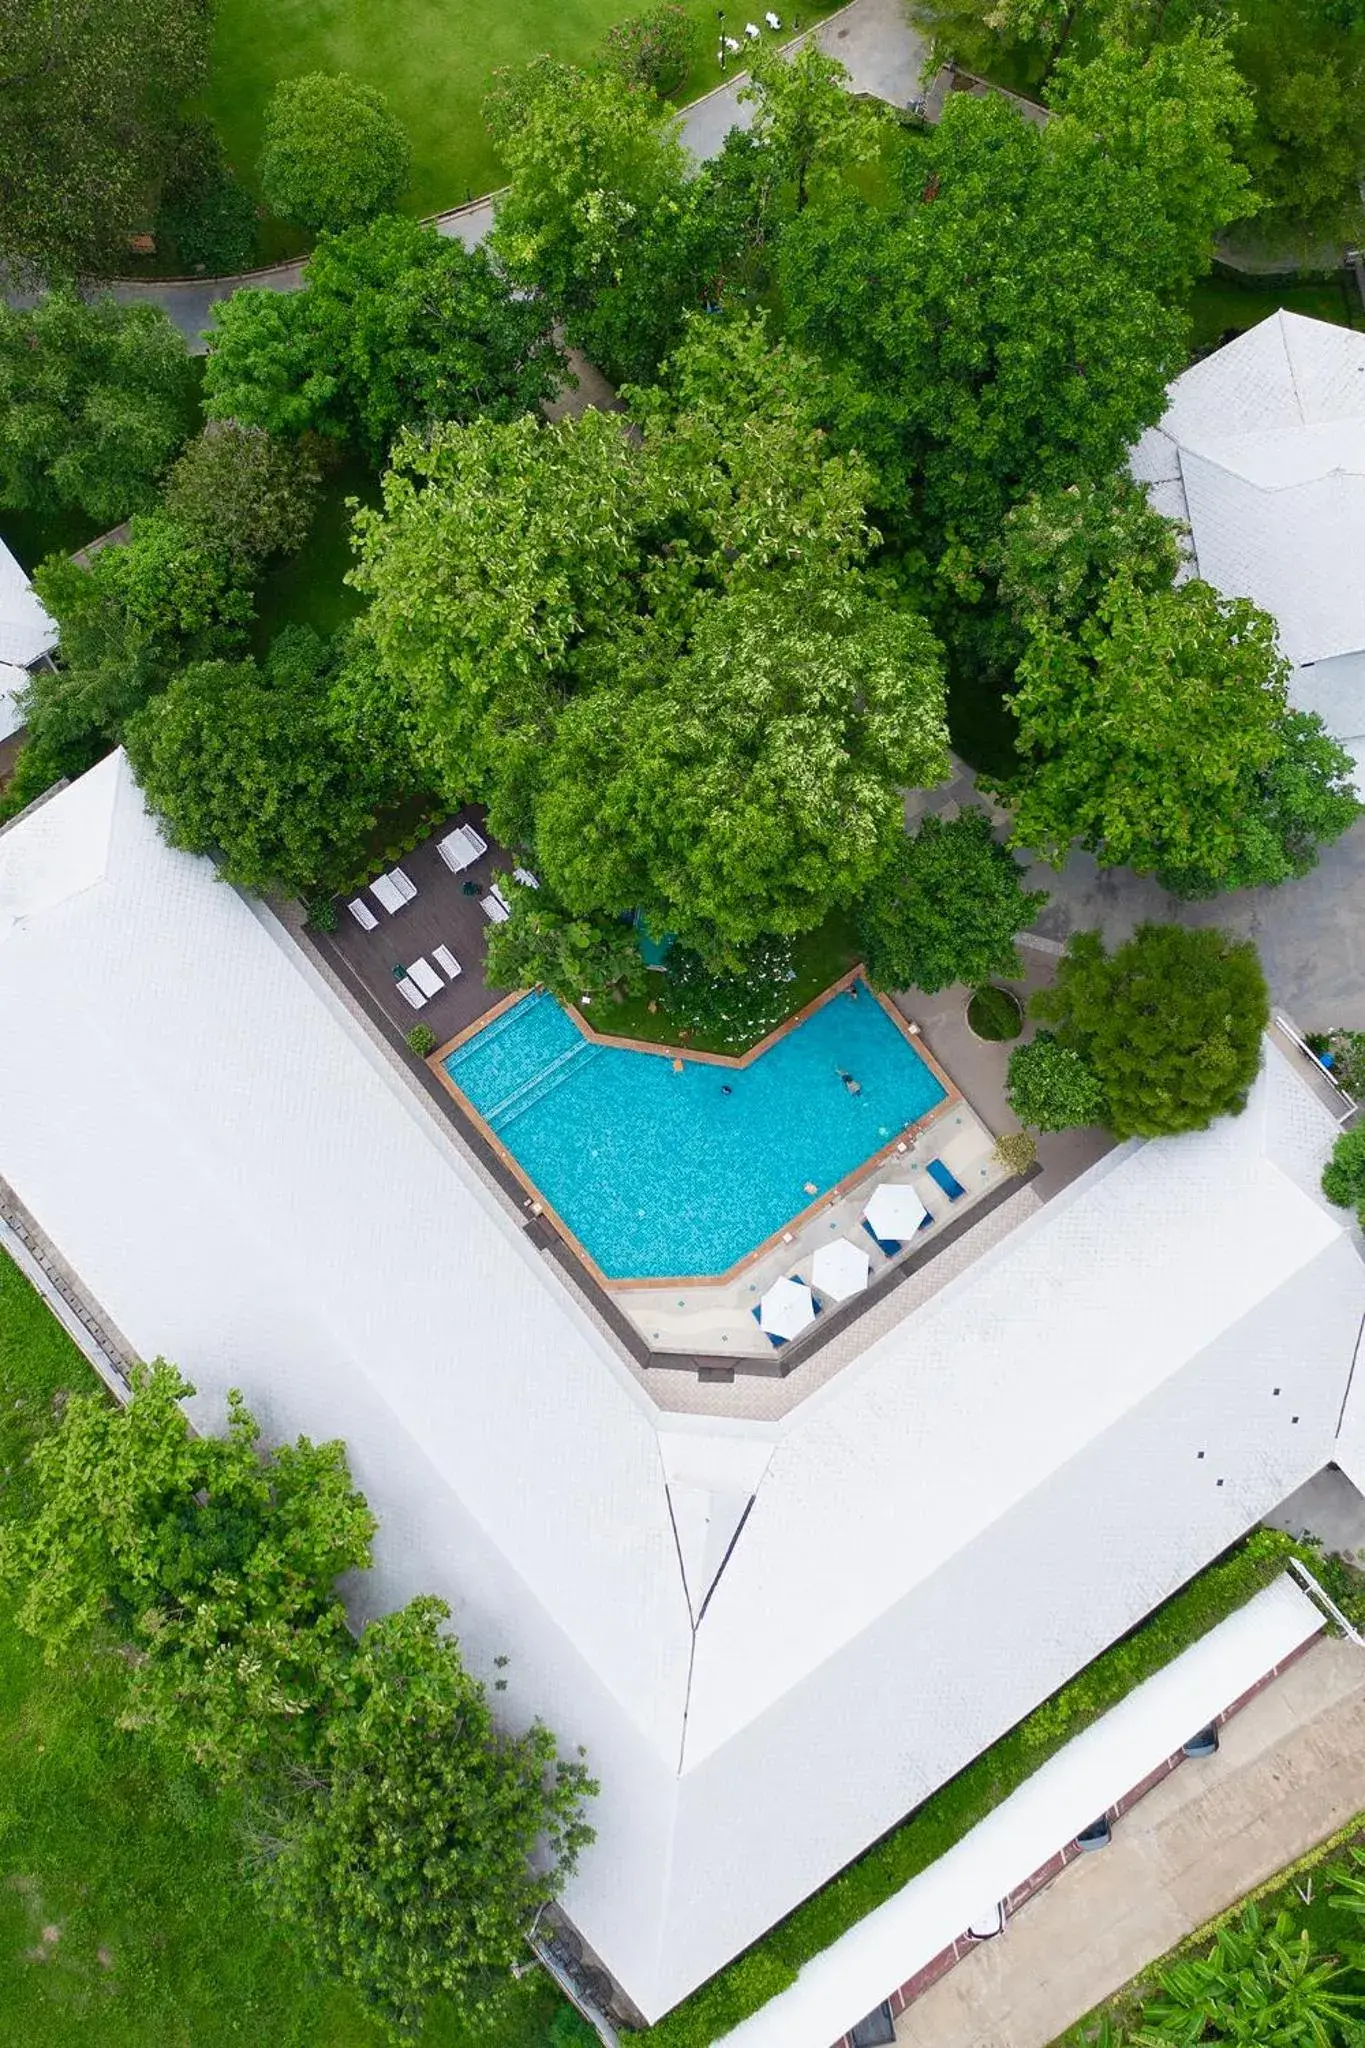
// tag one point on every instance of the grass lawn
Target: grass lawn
(1218, 305)
(820, 957)
(432, 58)
(309, 589)
(124, 1922)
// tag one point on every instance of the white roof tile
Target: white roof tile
(26, 630)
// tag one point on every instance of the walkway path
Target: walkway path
(884, 55)
(1290, 1773)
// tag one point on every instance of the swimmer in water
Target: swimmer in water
(853, 1087)
(726, 1089)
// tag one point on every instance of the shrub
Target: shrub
(995, 1014)
(322, 913)
(1016, 1151)
(653, 49)
(209, 216)
(1051, 1087)
(1343, 1177)
(421, 1040)
(244, 494)
(333, 154)
(731, 1006)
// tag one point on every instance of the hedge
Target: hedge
(772, 1964)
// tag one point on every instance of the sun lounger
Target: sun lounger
(393, 890)
(426, 977)
(362, 913)
(889, 1245)
(446, 961)
(461, 848)
(944, 1178)
(495, 906)
(410, 992)
(776, 1342)
(525, 877)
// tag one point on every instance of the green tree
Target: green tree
(753, 783)
(1343, 1177)
(1060, 550)
(1170, 1024)
(602, 219)
(333, 154)
(1305, 63)
(1052, 1088)
(1157, 734)
(242, 494)
(94, 402)
(91, 97)
(1010, 325)
(544, 945)
(1266, 1986)
(247, 767)
(396, 326)
(654, 49)
(946, 907)
(212, 1558)
(204, 212)
(433, 1836)
(807, 118)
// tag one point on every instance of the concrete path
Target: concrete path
(1290, 1773)
(884, 55)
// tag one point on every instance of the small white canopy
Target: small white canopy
(895, 1211)
(786, 1309)
(839, 1269)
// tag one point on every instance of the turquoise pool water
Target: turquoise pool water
(657, 1172)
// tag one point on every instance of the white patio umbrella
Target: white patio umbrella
(786, 1309)
(895, 1211)
(839, 1269)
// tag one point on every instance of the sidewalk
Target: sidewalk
(1290, 1772)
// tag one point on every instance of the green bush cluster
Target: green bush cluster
(994, 1013)
(732, 1006)
(948, 1814)
(654, 49)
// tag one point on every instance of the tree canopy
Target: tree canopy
(395, 326)
(1011, 324)
(947, 907)
(333, 155)
(1170, 1024)
(243, 494)
(95, 400)
(246, 765)
(1052, 1087)
(91, 95)
(1157, 734)
(806, 118)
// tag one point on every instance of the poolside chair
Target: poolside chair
(426, 977)
(446, 961)
(776, 1342)
(888, 1246)
(363, 915)
(944, 1178)
(525, 877)
(461, 848)
(393, 890)
(495, 906)
(410, 992)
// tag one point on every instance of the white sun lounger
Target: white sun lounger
(362, 913)
(461, 848)
(426, 977)
(525, 877)
(446, 961)
(393, 890)
(410, 992)
(495, 906)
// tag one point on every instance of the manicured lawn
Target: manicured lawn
(820, 957)
(124, 1922)
(433, 58)
(309, 589)
(1217, 305)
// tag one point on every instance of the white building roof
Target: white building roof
(26, 630)
(1261, 452)
(773, 1639)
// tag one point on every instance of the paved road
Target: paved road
(1289, 1774)
(872, 37)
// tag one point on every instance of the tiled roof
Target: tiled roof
(891, 1575)
(26, 631)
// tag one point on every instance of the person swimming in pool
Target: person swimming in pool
(726, 1089)
(853, 1087)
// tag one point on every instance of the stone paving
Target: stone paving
(1290, 1773)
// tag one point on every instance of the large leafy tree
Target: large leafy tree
(807, 119)
(1157, 734)
(433, 1836)
(212, 1559)
(91, 91)
(1052, 1087)
(947, 907)
(333, 155)
(1170, 1024)
(246, 766)
(1011, 325)
(745, 787)
(544, 944)
(395, 326)
(95, 399)
(242, 493)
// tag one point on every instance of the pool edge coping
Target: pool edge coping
(538, 1206)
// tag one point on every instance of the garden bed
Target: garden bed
(818, 960)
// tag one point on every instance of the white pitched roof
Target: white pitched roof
(772, 1639)
(1261, 451)
(26, 630)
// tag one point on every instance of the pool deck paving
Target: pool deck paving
(1289, 1774)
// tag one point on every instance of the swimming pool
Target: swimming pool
(664, 1173)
